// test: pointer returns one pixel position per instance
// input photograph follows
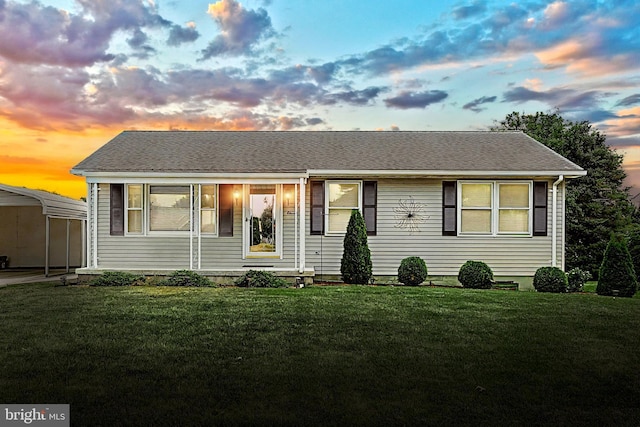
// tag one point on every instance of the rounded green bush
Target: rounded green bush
(186, 278)
(476, 275)
(260, 279)
(576, 278)
(117, 278)
(412, 271)
(550, 279)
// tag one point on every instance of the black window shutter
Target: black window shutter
(317, 207)
(225, 210)
(540, 208)
(369, 208)
(449, 208)
(116, 220)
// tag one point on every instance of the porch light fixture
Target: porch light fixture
(287, 197)
(236, 196)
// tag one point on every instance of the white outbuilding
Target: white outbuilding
(39, 229)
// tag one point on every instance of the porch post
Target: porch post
(68, 242)
(83, 238)
(47, 238)
(94, 224)
(302, 225)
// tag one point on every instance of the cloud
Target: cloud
(241, 29)
(465, 12)
(353, 97)
(179, 35)
(312, 121)
(563, 98)
(406, 100)
(36, 34)
(474, 105)
(629, 100)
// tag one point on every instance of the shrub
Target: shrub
(475, 274)
(186, 278)
(117, 278)
(550, 279)
(576, 279)
(260, 279)
(617, 276)
(633, 237)
(355, 265)
(412, 271)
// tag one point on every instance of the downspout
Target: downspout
(302, 225)
(554, 223)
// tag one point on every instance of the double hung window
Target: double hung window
(342, 197)
(495, 208)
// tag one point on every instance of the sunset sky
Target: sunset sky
(73, 74)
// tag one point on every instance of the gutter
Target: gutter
(554, 222)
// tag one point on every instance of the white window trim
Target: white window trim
(215, 210)
(147, 215)
(327, 209)
(495, 209)
(146, 211)
(141, 209)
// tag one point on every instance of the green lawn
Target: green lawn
(321, 356)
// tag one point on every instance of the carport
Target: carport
(41, 230)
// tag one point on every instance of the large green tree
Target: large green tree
(597, 204)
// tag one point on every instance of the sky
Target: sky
(74, 74)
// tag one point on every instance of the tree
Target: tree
(355, 265)
(617, 276)
(597, 204)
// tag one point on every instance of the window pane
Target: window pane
(514, 195)
(208, 196)
(338, 220)
(476, 195)
(134, 221)
(475, 221)
(135, 196)
(514, 221)
(208, 221)
(343, 195)
(169, 209)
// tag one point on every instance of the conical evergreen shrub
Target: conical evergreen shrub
(617, 276)
(355, 265)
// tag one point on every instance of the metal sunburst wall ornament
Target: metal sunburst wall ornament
(410, 214)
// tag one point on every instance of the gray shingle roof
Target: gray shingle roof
(299, 152)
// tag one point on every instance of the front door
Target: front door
(262, 221)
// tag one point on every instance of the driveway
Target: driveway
(30, 275)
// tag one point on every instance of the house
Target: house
(222, 203)
(39, 229)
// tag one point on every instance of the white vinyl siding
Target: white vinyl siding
(171, 251)
(444, 255)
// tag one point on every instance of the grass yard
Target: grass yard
(321, 356)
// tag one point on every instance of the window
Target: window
(493, 208)
(476, 202)
(134, 208)
(208, 209)
(169, 208)
(342, 197)
(153, 208)
(514, 208)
